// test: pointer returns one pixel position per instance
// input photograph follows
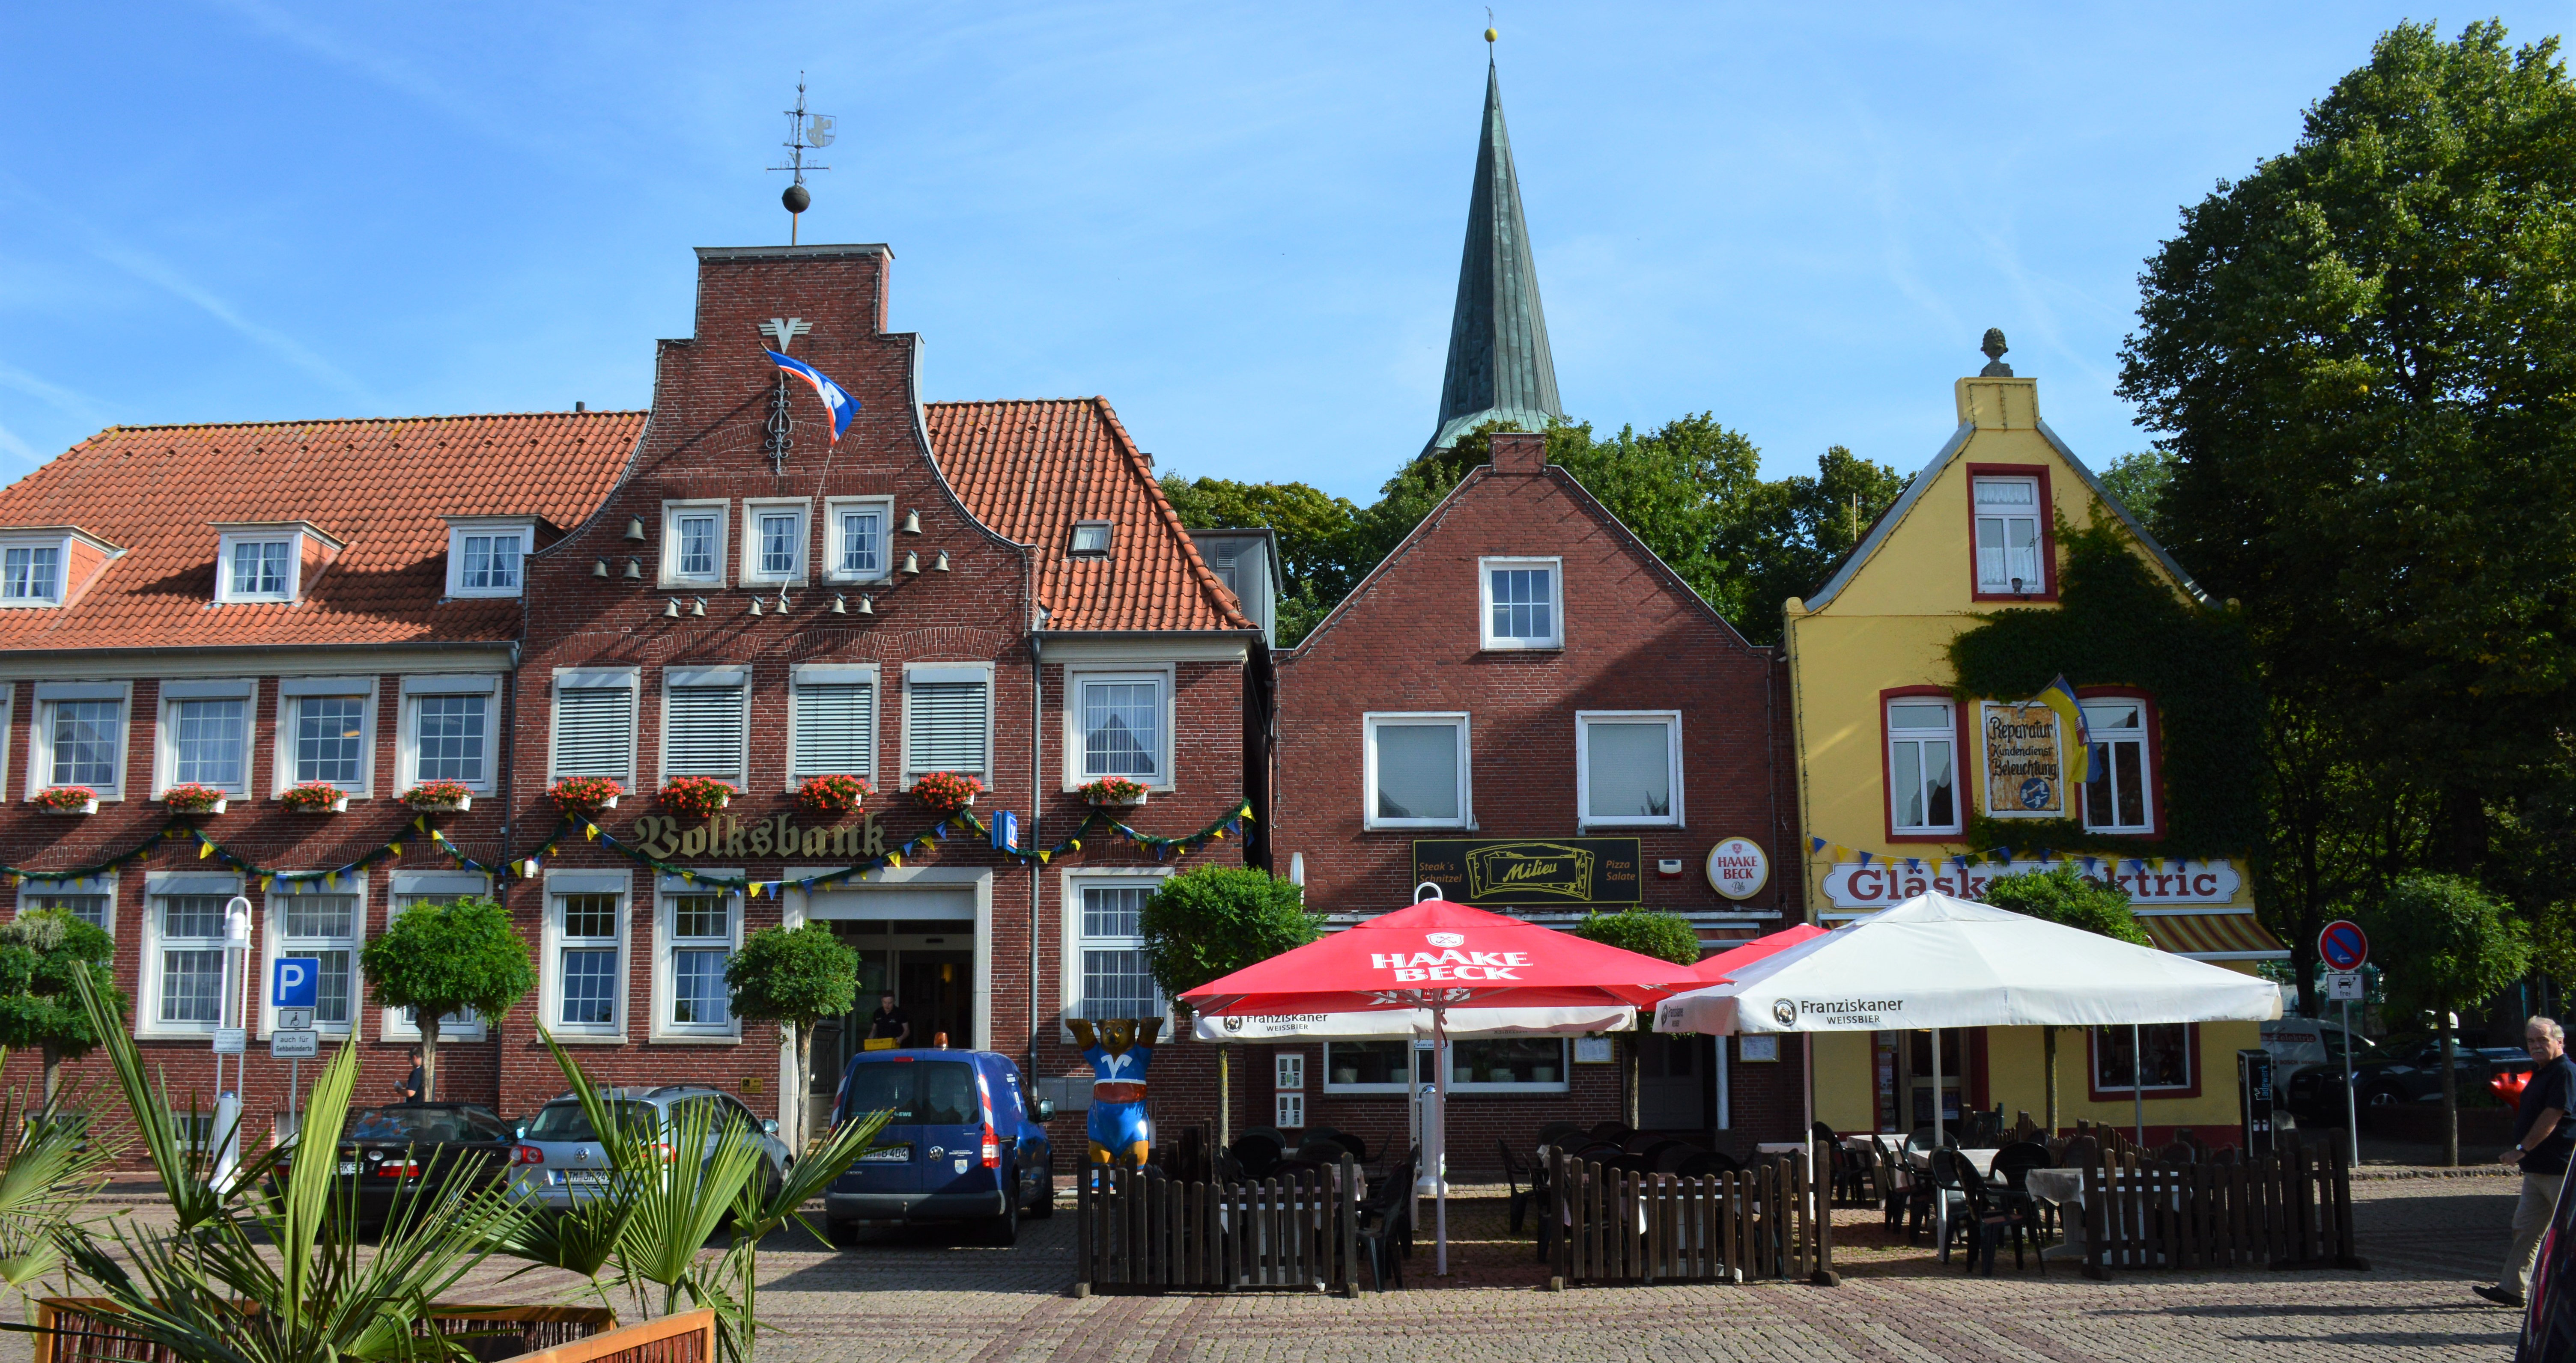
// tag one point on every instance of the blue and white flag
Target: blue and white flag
(836, 399)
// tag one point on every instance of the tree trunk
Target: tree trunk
(797, 1136)
(53, 1076)
(1225, 1095)
(1630, 1066)
(2051, 1034)
(2450, 1097)
(428, 1054)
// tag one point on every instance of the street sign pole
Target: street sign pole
(2351, 1105)
(294, 991)
(2344, 946)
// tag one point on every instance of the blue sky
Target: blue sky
(1240, 223)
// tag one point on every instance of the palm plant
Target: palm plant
(49, 1166)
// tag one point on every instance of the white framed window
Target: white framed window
(948, 719)
(204, 735)
(449, 726)
(267, 561)
(1628, 768)
(833, 721)
(31, 575)
(1288, 1070)
(78, 738)
(2009, 521)
(410, 888)
(581, 984)
(2163, 1051)
(774, 540)
(326, 732)
(2119, 779)
(486, 555)
(706, 719)
(1105, 948)
(1416, 771)
(594, 725)
(854, 539)
(325, 921)
(1288, 1111)
(1535, 1064)
(696, 930)
(1089, 539)
(1521, 602)
(1922, 766)
(693, 542)
(180, 992)
(1119, 723)
(91, 899)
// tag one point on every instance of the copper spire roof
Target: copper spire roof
(1033, 470)
(1499, 365)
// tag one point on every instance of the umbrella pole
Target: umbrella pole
(1440, 1162)
(2138, 1085)
(1940, 1128)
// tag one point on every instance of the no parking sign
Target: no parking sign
(2343, 945)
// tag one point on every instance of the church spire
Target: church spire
(1499, 365)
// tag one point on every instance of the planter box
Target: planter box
(456, 806)
(1119, 804)
(338, 806)
(2421, 1124)
(89, 806)
(217, 807)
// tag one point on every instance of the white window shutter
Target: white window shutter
(594, 729)
(944, 726)
(706, 732)
(836, 732)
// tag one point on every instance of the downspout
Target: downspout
(1037, 770)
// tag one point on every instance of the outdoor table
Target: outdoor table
(1982, 1160)
(2065, 1187)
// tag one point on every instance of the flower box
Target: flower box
(695, 797)
(1112, 792)
(195, 799)
(439, 797)
(945, 792)
(585, 794)
(315, 797)
(67, 800)
(832, 794)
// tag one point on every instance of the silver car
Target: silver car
(559, 1155)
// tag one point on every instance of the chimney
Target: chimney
(1519, 452)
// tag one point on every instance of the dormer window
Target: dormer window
(486, 554)
(1090, 539)
(270, 561)
(49, 565)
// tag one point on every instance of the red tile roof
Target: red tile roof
(379, 485)
(1030, 470)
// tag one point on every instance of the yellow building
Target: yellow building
(1899, 774)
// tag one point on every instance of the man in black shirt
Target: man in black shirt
(2542, 1140)
(412, 1085)
(888, 1027)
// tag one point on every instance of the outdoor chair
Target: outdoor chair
(1951, 1172)
(2226, 1154)
(2081, 1152)
(1257, 1152)
(1613, 1131)
(1888, 1183)
(1556, 1133)
(1647, 1158)
(1357, 1147)
(1513, 1173)
(1670, 1158)
(2178, 1153)
(1386, 1223)
(1707, 1163)
(1982, 1218)
(2014, 1163)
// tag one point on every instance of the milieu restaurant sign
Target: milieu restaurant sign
(1530, 872)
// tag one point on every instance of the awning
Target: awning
(2213, 936)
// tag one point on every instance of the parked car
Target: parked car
(391, 1155)
(962, 1143)
(558, 1154)
(2549, 1313)
(2411, 1073)
(2296, 1043)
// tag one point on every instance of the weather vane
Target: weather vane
(1490, 33)
(805, 132)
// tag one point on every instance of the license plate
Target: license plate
(586, 1176)
(348, 1166)
(887, 1154)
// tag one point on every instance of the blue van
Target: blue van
(962, 1144)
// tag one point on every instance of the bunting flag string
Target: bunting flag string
(211, 848)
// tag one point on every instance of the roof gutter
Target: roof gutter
(238, 650)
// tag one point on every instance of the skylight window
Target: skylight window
(1089, 537)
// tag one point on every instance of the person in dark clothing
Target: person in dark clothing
(2542, 1140)
(888, 1026)
(414, 1084)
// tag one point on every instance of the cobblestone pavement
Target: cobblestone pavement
(920, 1297)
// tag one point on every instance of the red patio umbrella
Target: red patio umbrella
(1716, 968)
(1437, 956)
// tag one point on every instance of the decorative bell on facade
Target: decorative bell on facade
(867, 605)
(912, 522)
(634, 570)
(912, 562)
(635, 529)
(671, 609)
(941, 565)
(840, 604)
(698, 606)
(599, 568)
(755, 605)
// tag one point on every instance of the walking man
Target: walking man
(2542, 1138)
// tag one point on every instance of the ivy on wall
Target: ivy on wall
(2118, 624)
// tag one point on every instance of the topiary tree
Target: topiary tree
(1664, 936)
(795, 977)
(2059, 895)
(40, 1006)
(440, 958)
(2443, 944)
(1211, 921)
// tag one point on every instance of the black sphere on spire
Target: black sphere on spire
(796, 199)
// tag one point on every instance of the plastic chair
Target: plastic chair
(1514, 1172)
(2014, 1163)
(1256, 1153)
(1555, 1133)
(1983, 1219)
(1704, 1163)
(1612, 1131)
(1386, 1223)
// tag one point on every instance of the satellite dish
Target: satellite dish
(818, 131)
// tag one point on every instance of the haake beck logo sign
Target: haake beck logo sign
(1450, 962)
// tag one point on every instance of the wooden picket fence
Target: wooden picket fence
(1761, 1222)
(93, 1330)
(2288, 1209)
(1138, 1231)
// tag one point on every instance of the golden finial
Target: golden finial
(1490, 33)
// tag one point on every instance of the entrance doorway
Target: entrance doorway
(1672, 1081)
(928, 964)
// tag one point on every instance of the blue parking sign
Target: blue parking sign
(296, 982)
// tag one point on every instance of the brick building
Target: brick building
(1525, 707)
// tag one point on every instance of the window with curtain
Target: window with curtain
(1115, 982)
(191, 948)
(330, 739)
(701, 944)
(1922, 784)
(2008, 536)
(2163, 1052)
(492, 562)
(30, 573)
(1628, 774)
(1417, 770)
(586, 960)
(211, 745)
(2118, 795)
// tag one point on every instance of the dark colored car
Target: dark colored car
(2401, 1074)
(963, 1143)
(2549, 1317)
(406, 1150)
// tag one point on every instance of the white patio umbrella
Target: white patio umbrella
(1935, 962)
